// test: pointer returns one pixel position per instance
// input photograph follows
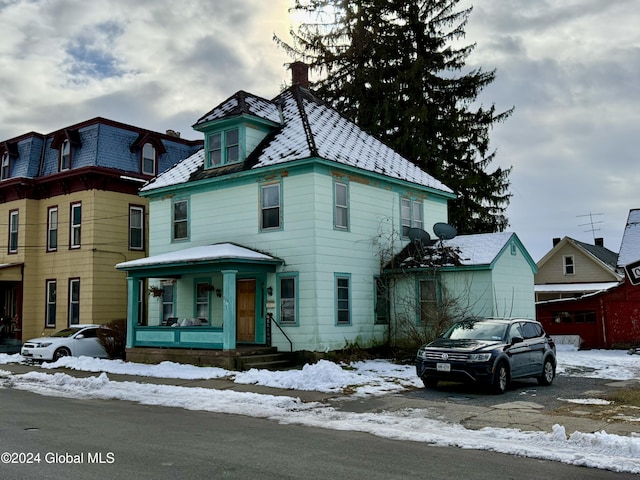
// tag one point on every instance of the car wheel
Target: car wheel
(500, 378)
(61, 352)
(548, 373)
(430, 382)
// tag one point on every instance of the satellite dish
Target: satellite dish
(417, 235)
(444, 231)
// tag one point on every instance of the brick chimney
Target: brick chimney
(599, 242)
(300, 74)
(556, 241)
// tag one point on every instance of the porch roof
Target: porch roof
(219, 253)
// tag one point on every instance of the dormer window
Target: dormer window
(4, 167)
(224, 147)
(148, 159)
(65, 155)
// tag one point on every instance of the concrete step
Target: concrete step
(270, 361)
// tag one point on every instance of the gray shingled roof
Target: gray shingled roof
(308, 128)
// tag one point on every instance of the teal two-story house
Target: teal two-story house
(275, 233)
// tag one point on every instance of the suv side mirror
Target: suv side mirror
(515, 340)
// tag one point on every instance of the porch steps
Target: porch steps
(268, 361)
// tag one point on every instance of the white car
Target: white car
(77, 340)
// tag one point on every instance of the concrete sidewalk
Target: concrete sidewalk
(520, 415)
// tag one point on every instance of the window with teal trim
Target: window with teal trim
(223, 147)
(288, 293)
(343, 299)
(181, 220)
(411, 215)
(341, 206)
(270, 212)
(428, 292)
(382, 301)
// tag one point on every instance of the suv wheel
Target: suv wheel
(500, 378)
(430, 382)
(548, 373)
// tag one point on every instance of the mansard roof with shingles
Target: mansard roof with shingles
(306, 127)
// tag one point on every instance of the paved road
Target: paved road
(144, 442)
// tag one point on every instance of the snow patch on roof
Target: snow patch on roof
(218, 251)
(630, 245)
(479, 249)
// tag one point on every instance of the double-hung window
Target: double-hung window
(341, 206)
(65, 156)
(148, 159)
(51, 292)
(428, 300)
(74, 301)
(287, 294)
(75, 225)
(52, 229)
(136, 227)
(203, 294)
(343, 298)
(569, 265)
(224, 147)
(411, 215)
(14, 223)
(270, 206)
(4, 167)
(181, 220)
(167, 302)
(382, 307)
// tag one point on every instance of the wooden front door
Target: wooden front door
(246, 310)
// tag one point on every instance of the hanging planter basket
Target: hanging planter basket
(156, 291)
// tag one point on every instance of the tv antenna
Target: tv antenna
(592, 223)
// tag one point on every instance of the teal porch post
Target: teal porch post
(229, 309)
(132, 308)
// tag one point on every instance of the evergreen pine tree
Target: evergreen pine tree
(395, 67)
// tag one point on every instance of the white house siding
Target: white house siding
(307, 242)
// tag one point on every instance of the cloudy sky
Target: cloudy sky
(570, 68)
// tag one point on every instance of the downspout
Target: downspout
(603, 320)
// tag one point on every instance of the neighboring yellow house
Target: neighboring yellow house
(71, 211)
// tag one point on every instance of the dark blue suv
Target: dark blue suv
(489, 351)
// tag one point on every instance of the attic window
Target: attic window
(148, 159)
(569, 265)
(4, 167)
(223, 148)
(65, 156)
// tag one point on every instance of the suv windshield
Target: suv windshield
(67, 332)
(475, 330)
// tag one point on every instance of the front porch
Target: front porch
(242, 358)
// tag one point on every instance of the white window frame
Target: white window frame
(133, 228)
(52, 229)
(75, 226)
(149, 158)
(74, 301)
(168, 287)
(5, 167)
(288, 306)
(14, 230)
(65, 156)
(411, 215)
(203, 299)
(568, 265)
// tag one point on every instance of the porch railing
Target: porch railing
(272, 320)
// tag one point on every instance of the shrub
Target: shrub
(113, 338)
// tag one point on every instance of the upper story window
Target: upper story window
(341, 206)
(52, 229)
(13, 231)
(65, 156)
(5, 171)
(411, 215)
(181, 220)
(75, 225)
(223, 147)
(270, 206)
(136, 227)
(148, 159)
(569, 265)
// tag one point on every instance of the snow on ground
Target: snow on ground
(378, 377)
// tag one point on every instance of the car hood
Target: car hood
(45, 340)
(462, 345)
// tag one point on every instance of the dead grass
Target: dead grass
(626, 396)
